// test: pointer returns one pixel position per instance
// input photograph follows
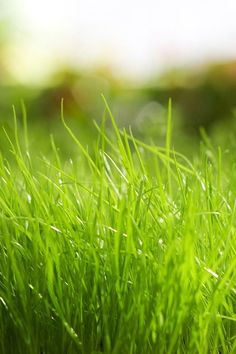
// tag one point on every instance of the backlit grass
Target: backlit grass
(122, 247)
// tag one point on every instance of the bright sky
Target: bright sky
(136, 37)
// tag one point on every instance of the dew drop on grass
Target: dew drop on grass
(3, 302)
(203, 186)
(100, 242)
(29, 198)
(70, 330)
(7, 171)
(140, 242)
(210, 271)
(55, 229)
(4, 180)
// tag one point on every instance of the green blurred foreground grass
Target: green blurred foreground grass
(122, 248)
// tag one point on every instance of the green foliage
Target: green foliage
(121, 247)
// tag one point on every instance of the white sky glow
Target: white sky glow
(136, 37)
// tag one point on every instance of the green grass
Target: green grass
(122, 247)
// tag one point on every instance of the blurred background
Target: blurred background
(137, 53)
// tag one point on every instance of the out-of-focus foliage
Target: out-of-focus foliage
(201, 97)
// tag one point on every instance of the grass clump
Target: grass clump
(122, 248)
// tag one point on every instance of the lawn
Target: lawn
(117, 246)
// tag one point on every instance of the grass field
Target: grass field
(122, 247)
